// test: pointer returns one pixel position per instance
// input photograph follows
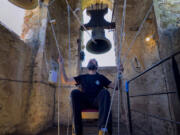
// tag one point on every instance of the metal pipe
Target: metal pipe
(152, 94)
(155, 65)
(129, 109)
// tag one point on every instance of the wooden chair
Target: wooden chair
(86, 114)
(90, 114)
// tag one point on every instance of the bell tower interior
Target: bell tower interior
(143, 36)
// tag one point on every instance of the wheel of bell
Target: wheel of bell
(99, 44)
(25, 4)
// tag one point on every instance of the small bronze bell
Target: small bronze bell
(99, 44)
(25, 4)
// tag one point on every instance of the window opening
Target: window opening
(11, 16)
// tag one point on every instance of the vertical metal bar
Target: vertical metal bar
(69, 55)
(118, 108)
(176, 74)
(129, 109)
(79, 50)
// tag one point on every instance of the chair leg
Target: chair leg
(73, 127)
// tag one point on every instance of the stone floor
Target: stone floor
(90, 128)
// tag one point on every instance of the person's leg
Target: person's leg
(109, 126)
(103, 102)
(79, 101)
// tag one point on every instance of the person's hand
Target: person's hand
(60, 61)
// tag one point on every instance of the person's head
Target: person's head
(92, 64)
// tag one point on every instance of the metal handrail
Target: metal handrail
(155, 65)
(151, 94)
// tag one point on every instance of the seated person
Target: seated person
(93, 95)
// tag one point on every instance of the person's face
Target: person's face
(92, 65)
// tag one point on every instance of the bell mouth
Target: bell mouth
(25, 4)
(100, 46)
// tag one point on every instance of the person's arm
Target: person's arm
(112, 85)
(64, 78)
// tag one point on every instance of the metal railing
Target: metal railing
(149, 94)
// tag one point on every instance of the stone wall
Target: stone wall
(141, 56)
(42, 96)
(58, 11)
(27, 107)
(15, 71)
(42, 103)
(168, 16)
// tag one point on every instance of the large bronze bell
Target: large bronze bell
(99, 44)
(25, 4)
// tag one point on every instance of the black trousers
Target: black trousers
(82, 101)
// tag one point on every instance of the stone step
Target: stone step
(89, 128)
